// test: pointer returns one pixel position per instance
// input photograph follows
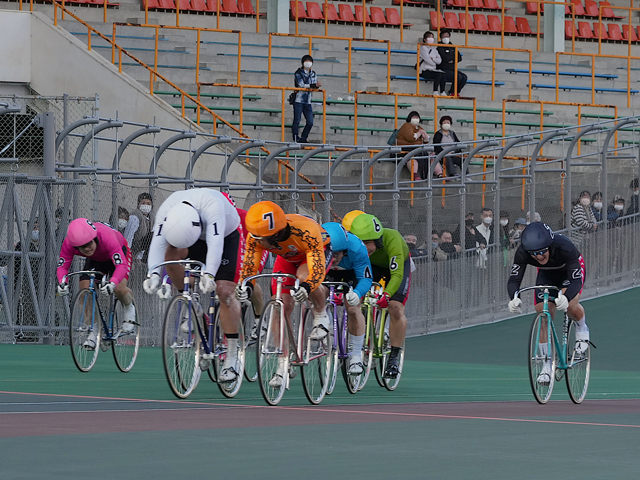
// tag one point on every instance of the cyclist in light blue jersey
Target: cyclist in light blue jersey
(351, 265)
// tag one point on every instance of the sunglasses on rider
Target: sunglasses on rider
(538, 252)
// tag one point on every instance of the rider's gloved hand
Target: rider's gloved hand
(383, 301)
(207, 283)
(352, 298)
(562, 303)
(108, 288)
(244, 293)
(515, 305)
(301, 293)
(151, 284)
(63, 289)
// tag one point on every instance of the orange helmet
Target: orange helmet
(265, 219)
(349, 217)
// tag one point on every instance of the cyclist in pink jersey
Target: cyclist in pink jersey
(106, 251)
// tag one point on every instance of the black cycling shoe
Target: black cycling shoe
(393, 367)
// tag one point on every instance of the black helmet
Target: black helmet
(536, 237)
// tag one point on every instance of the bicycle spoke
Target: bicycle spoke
(85, 320)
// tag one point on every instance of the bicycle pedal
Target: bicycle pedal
(208, 356)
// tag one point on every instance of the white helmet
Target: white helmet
(182, 226)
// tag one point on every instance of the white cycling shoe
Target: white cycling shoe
(582, 342)
(320, 325)
(544, 377)
(356, 367)
(91, 341)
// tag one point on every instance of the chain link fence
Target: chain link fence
(458, 282)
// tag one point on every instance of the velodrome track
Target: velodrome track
(463, 409)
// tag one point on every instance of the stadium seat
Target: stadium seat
(464, 18)
(433, 17)
(480, 21)
(585, 31)
(532, 8)
(313, 11)
(345, 13)
(625, 33)
(578, 8)
(591, 9)
(570, 29)
(358, 14)
(184, 5)
(458, 3)
(302, 13)
(196, 5)
(608, 12)
(229, 6)
(245, 6)
(614, 32)
(522, 24)
(151, 4)
(603, 31)
(477, 4)
(330, 9)
(377, 16)
(492, 5)
(393, 17)
(166, 5)
(451, 21)
(494, 23)
(510, 25)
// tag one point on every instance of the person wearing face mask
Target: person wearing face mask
(582, 220)
(615, 211)
(518, 227)
(444, 138)
(447, 247)
(411, 133)
(304, 77)
(596, 206)
(448, 55)
(123, 219)
(485, 235)
(139, 229)
(634, 204)
(429, 64)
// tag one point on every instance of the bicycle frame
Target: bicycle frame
(378, 338)
(340, 330)
(285, 326)
(106, 327)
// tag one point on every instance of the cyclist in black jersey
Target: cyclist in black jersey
(559, 263)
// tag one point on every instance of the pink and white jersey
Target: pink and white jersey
(112, 247)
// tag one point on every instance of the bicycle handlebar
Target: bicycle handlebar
(338, 284)
(270, 275)
(181, 262)
(83, 272)
(518, 292)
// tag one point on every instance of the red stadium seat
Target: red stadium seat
(492, 5)
(599, 27)
(301, 13)
(196, 5)
(151, 4)
(625, 33)
(591, 9)
(495, 25)
(314, 12)
(393, 17)
(185, 5)
(608, 12)
(433, 17)
(229, 6)
(166, 4)
(245, 6)
(480, 21)
(330, 10)
(522, 24)
(377, 16)
(614, 32)
(345, 13)
(570, 29)
(458, 3)
(579, 9)
(584, 30)
(451, 20)
(532, 8)
(464, 18)
(510, 25)
(358, 15)
(476, 4)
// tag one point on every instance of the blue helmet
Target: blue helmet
(338, 236)
(536, 237)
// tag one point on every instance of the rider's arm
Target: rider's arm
(574, 275)
(517, 271)
(158, 245)
(397, 257)
(252, 258)
(213, 216)
(361, 266)
(66, 257)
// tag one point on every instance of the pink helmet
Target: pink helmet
(81, 231)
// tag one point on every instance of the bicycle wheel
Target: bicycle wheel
(367, 357)
(250, 328)
(125, 345)
(392, 383)
(578, 368)
(334, 338)
(537, 359)
(181, 347)
(379, 360)
(273, 354)
(85, 318)
(219, 347)
(352, 381)
(317, 364)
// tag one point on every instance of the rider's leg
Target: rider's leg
(398, 323)
(318, 298)
(125, 295)
(257, 299)
(356, 326)
(576, 313)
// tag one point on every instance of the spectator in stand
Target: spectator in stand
(444, 138)
(615, 211)
(447, 246)
(449, 60)
(123, 219)
(596, 206)
(634, 205)
(582, 220)
(485, 235)
(536, 217)
(304, 77)
(469, 217)
(139, 229)
(473, 239)
(411, 133)
(412, 242)
(429, 63)
(518, 226)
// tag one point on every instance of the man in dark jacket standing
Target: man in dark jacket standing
(447, 54)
